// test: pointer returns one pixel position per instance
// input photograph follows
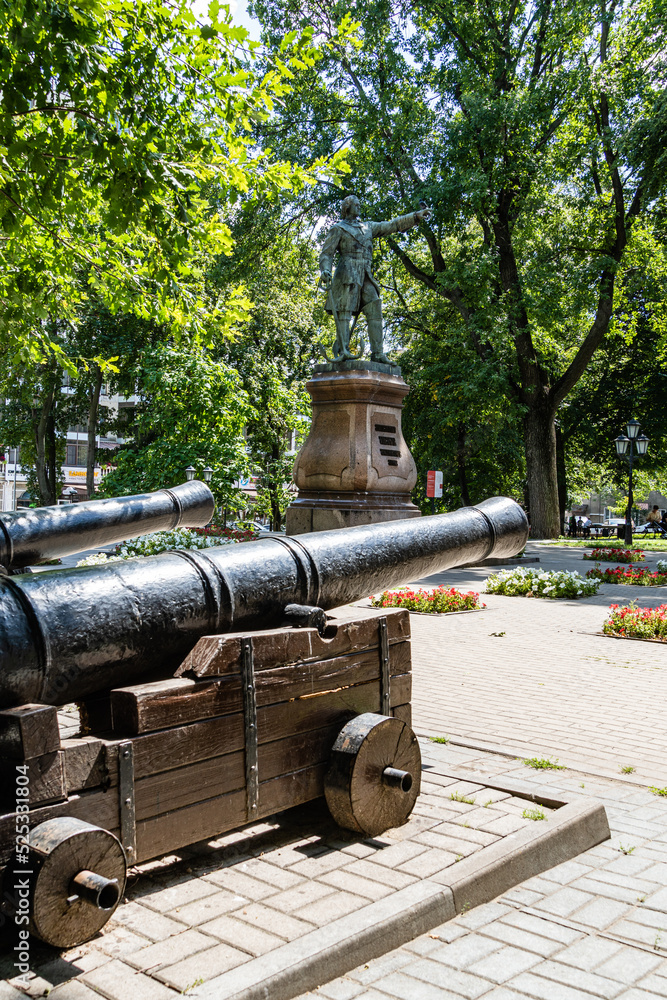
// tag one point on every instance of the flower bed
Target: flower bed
(233, 534)
(164, 541)
(629, 575)
(522, 582)
(637, 623)
(440, 601)
(618, 555)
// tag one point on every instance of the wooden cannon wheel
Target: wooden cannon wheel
(78, 882)
(374, 777)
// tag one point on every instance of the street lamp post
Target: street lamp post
(626, 446)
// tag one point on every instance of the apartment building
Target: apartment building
(14, 476)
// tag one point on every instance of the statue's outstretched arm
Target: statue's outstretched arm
(401, 224)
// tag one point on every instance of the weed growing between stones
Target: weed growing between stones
(544, 764)
(535, 814)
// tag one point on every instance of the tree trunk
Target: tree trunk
(461, 464)
(44, 449)
(541, 472)
(562, 478)
(93, 410)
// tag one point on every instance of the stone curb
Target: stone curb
(331, 951)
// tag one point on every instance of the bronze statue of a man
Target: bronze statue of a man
(353, 288)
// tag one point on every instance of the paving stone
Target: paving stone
(628, 965)
(208, 907)
(241, 935)
(590, 952)
(340, 989)
(380, 967)
(446, 978)
(120, 941)
(398, 854)
(73, 990)
(522, 940)
(550, 929)
(600, 913)
(118, 981)
(404, 987)
(201, 967)
(379, 873)
(240, 884)
(355, 884)
(464, 951)
(280, 878)
(428, 863)
(481, 915)
(563, 902)
(168, 899)
(546, 989)
(503, 964)
(167, 952)
(259, 915)
(578, 978)
(331, 907)
(314, 867)
(299, 896)
(140, 919)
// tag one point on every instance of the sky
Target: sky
(238, 11)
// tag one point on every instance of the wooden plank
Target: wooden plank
(170, 790)
(46, 779)
(216, 655)
(88, 764)
(404, 713)
(28, 731)
(98, 807)
(213, 817)
(143, 708)
(169, 748)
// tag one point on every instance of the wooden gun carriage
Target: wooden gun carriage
(227, 723)
(253, 725)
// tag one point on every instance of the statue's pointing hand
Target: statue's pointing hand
(423, 213)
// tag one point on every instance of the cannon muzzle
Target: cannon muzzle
(32, 535)
(71, 632)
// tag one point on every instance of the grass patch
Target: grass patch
(658, 791)
(439, 739)
(627, 769)
(544, 764)
(535, 814)
(625, 850)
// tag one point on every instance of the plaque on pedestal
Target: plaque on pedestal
(354, 467)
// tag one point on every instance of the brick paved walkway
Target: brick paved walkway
(592, 927)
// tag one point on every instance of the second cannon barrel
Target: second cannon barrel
(32, 535)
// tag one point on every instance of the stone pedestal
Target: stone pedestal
(354, 467)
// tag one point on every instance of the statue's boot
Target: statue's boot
(374, 319)
(342, 345)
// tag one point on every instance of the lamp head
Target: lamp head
(208, 472)
(641, 444)
(632, 427)
(622, 444)
(190, 473)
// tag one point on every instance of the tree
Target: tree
(124, 143)
(192, 411)
(275, 349)
(536, 130)
(34, 417)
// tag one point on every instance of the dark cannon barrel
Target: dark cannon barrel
(87, 629)
(30, 536)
